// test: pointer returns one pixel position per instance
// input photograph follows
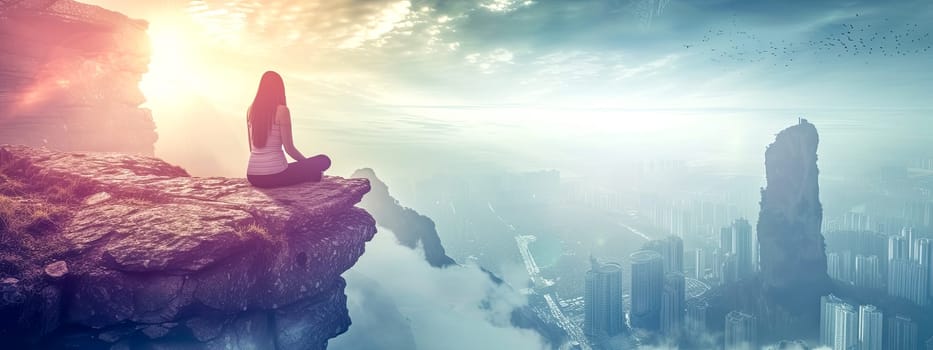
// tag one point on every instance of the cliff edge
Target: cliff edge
(111, 250)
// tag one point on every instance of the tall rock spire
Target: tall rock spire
(792, 253)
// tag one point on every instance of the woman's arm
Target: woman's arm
(285, 127)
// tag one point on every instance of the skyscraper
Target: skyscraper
(603, 312)
(729, 269)
(925, 259)
(742, 248)
(909, 280)
(834, 266)
(898, 248)
(673, 254)
(672, 304)
(908, 233)
(700, 263)
(828, 319)
(647, 283)
(695, 322)
(741, 331)
(846, 323)
(867, 271)
(870, 328)
(901, 334)
(725, 240)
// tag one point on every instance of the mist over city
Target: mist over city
(502, 174)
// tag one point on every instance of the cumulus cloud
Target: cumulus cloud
(452, 308)
(320, 24)
(491, 61)
(505, 5)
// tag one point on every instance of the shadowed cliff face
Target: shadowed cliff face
(410, 227)
(793, 260)
(109, 249)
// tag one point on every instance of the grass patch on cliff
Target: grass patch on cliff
(254, 229)
(23, 215)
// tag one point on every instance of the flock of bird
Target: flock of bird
(859, 40)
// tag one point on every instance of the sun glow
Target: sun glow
(173, 69)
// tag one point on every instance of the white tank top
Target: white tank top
(268, 159)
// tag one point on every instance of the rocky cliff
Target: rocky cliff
(70, 72)
(792, 253)
(105, 250)
(410, 227)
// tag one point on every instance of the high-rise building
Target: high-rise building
(898, 248)
(647, 283)
(908, 234)
(828, 319)
(602, 300)
(695, 322)
(853, 221)
(742, 248)
(925, 259)
(870, 328)
(834, 266)
(909, 280)
(929, 344)
(725, 240)
(847, 264)
(846, 323)
(741, 331)
(700, 263)
(867, 272)
(673, 253)
(716, 265)
(672, 304)
(729, 269)
(901, 333)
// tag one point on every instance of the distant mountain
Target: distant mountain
(410, 228)
(408, 225)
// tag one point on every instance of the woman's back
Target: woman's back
(270, 158)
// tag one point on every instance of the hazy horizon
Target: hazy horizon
(598, 84)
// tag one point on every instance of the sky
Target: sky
(528, 84)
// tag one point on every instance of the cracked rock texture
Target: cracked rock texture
(130, 252)
(70, 72)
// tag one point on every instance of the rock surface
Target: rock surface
(70, 72)
(792, 252)
(139, 255)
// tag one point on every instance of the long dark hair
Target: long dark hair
(261, 113)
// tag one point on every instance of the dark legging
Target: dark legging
(308, 169)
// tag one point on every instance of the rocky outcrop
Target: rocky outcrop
(792, 252)
(69, 73)
(106, 250)
(409, 227)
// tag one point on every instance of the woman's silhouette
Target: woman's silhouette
(269, 128)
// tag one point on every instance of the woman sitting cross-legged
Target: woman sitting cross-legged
(269, 128)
